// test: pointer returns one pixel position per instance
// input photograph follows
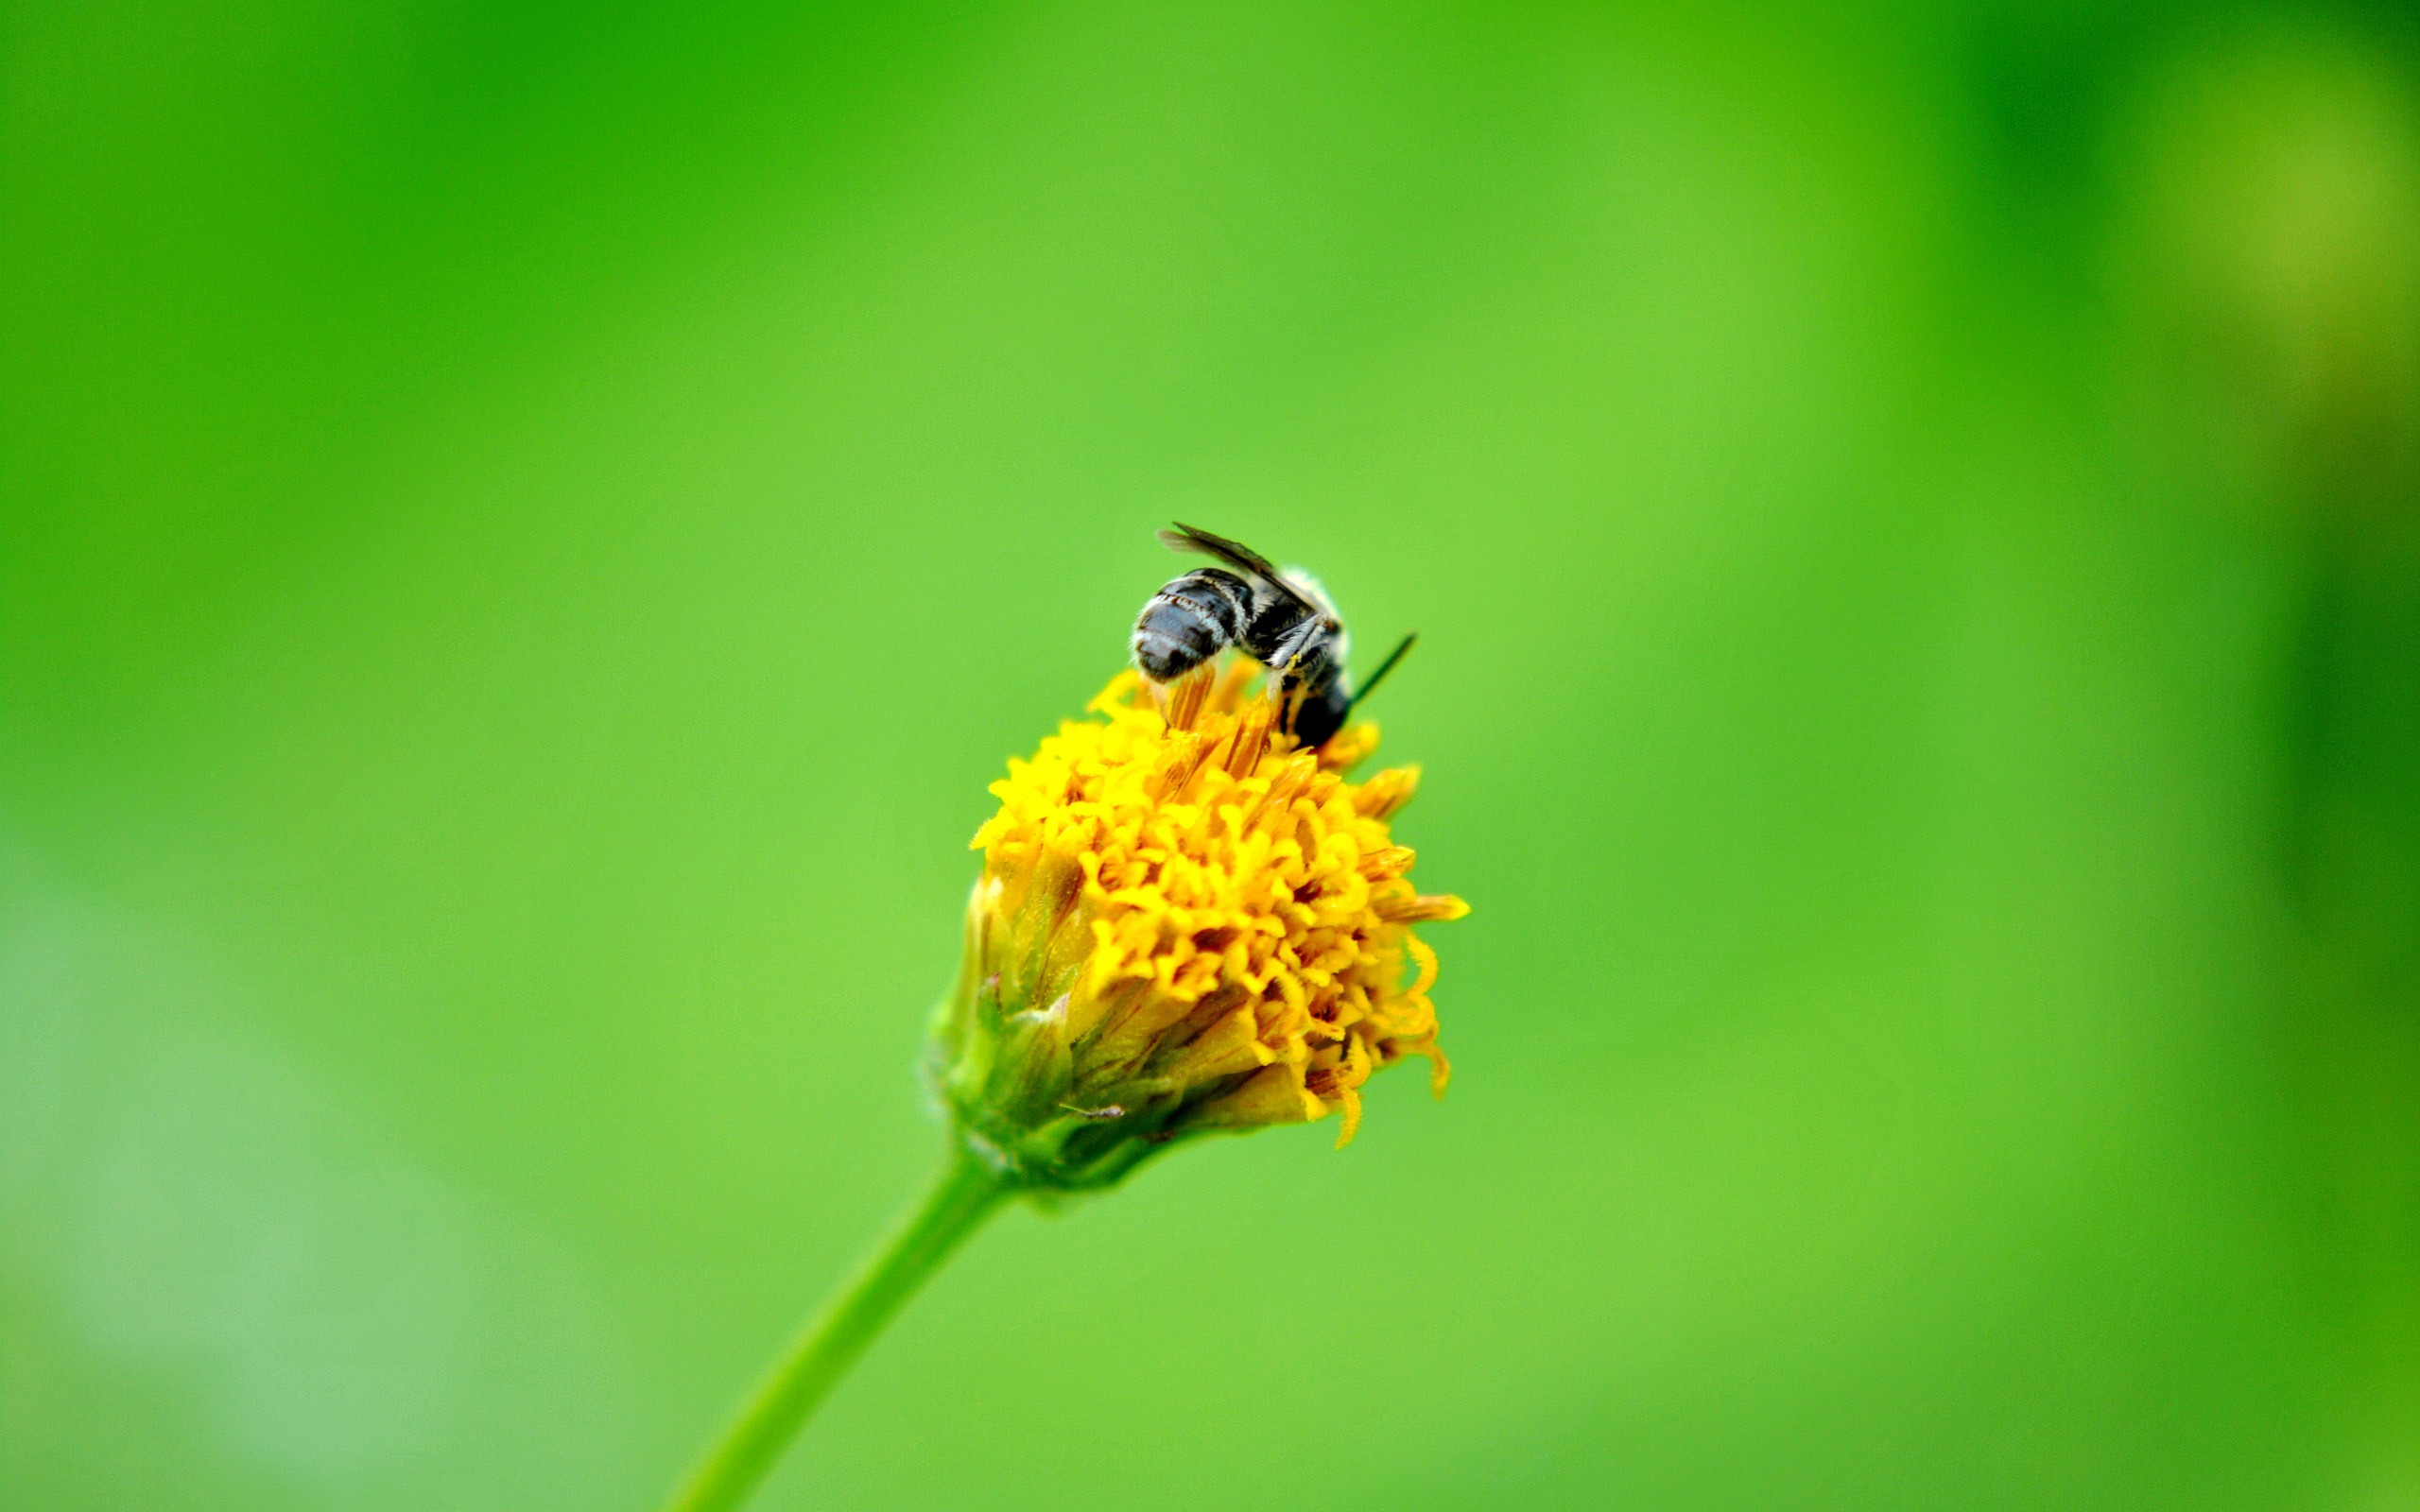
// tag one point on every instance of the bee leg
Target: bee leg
(1308, 682)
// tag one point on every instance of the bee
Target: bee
(1281, 619)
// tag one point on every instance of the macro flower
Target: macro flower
(1185, 924)
(1190, 922)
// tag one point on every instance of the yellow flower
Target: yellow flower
(1185, 924)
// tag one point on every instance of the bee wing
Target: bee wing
(1233, 553)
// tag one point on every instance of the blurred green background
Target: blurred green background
(525, 530)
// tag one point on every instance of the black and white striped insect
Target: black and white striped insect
(1279, 618)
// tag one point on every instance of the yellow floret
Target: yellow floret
(1186, 922)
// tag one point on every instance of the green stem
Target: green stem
(965, 1194)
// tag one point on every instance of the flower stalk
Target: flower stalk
(966, 1193)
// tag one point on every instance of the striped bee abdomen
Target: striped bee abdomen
(1190, 621)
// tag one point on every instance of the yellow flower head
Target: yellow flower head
(1184, 924)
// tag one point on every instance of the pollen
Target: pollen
(1186, 921)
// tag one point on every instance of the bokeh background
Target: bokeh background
(525, 530)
